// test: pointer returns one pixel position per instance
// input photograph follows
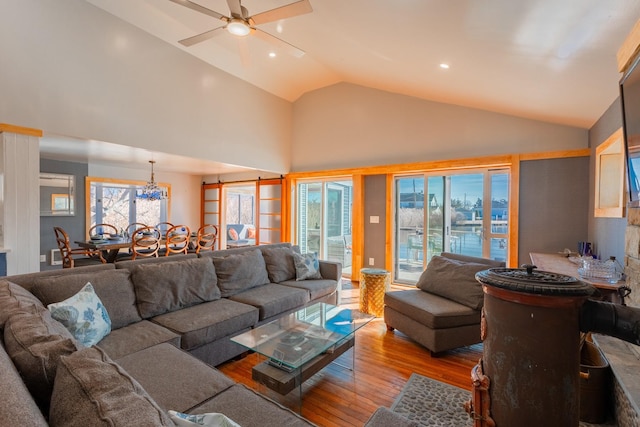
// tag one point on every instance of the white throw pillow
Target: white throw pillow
(211, 419)
(307, 266)
(83, 315)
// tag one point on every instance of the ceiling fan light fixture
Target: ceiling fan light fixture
(238, 27)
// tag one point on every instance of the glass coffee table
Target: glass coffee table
(298, 345)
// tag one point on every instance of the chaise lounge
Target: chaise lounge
(443, 312)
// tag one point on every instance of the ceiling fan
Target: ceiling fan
(240, 23)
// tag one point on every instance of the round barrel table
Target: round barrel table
(374, 283)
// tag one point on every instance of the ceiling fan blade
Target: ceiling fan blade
(236, 8)
(291, 49)
(194, 6)
(299, 7)
(201, 37)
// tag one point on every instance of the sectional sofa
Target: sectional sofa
(171, 321)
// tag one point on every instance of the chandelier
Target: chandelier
(151, 191)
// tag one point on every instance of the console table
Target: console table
(559, 263)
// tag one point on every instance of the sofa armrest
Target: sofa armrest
(331, 270)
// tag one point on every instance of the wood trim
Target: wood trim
(629, 49)
(583, 152)
(389, 223)
(470, 162)
(514, 213)
(612, 148)
(357, 227)
(287, 214)
(5, 127)
(436, 165)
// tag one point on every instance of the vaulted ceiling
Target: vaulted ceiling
(548, 60)
(543, 59)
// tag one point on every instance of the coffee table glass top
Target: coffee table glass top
(296, 338)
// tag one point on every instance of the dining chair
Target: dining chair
(131, 228)
(177, 240)
(145, 242)
(163, 227)
(100, 229)
(206, 238)
(68, 254)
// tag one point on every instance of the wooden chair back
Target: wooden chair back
(131, 228)
(100, 229)
(206, 238)
(67, 252)
(177, 240)
(145, 242)
(163, 227)
(62, 239)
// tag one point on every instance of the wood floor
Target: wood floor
(337, 396)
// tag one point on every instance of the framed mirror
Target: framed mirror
(57, 194)
(610, 173)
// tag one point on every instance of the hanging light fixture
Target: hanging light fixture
(151, 191)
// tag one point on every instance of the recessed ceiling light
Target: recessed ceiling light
(445, 66)
(272, 54)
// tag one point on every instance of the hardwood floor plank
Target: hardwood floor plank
(384, 361)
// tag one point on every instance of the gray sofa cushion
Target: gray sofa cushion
(18, 407)
(35, 343)
(26, 280)
(170, 286)
(468, 258)
(113, 287)
(136, 337)
(264, 412)
(240, 271)
(431, 310)
(317, 288)
(130, 264)
(14, 298)
(454, 280)
(175, 379)
(91, 390)
(280, 265)
(273, 299)
(205, 323)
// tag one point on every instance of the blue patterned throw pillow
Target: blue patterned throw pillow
(307, 266)
(83, 315)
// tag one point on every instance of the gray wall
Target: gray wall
(554, 205)
(73, 225)
(375, 204)
(606, 233)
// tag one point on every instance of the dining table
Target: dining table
(109, 246)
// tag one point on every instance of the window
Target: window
(114, 202)
(465, 212)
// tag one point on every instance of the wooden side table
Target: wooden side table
(373, 285)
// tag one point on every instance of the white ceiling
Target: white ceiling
(549, 60)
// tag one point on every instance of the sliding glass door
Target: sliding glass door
(323, 220)
(464, 213)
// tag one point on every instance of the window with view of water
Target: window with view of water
(115, 203)
(464, 213)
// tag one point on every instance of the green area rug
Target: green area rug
(433, 403)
